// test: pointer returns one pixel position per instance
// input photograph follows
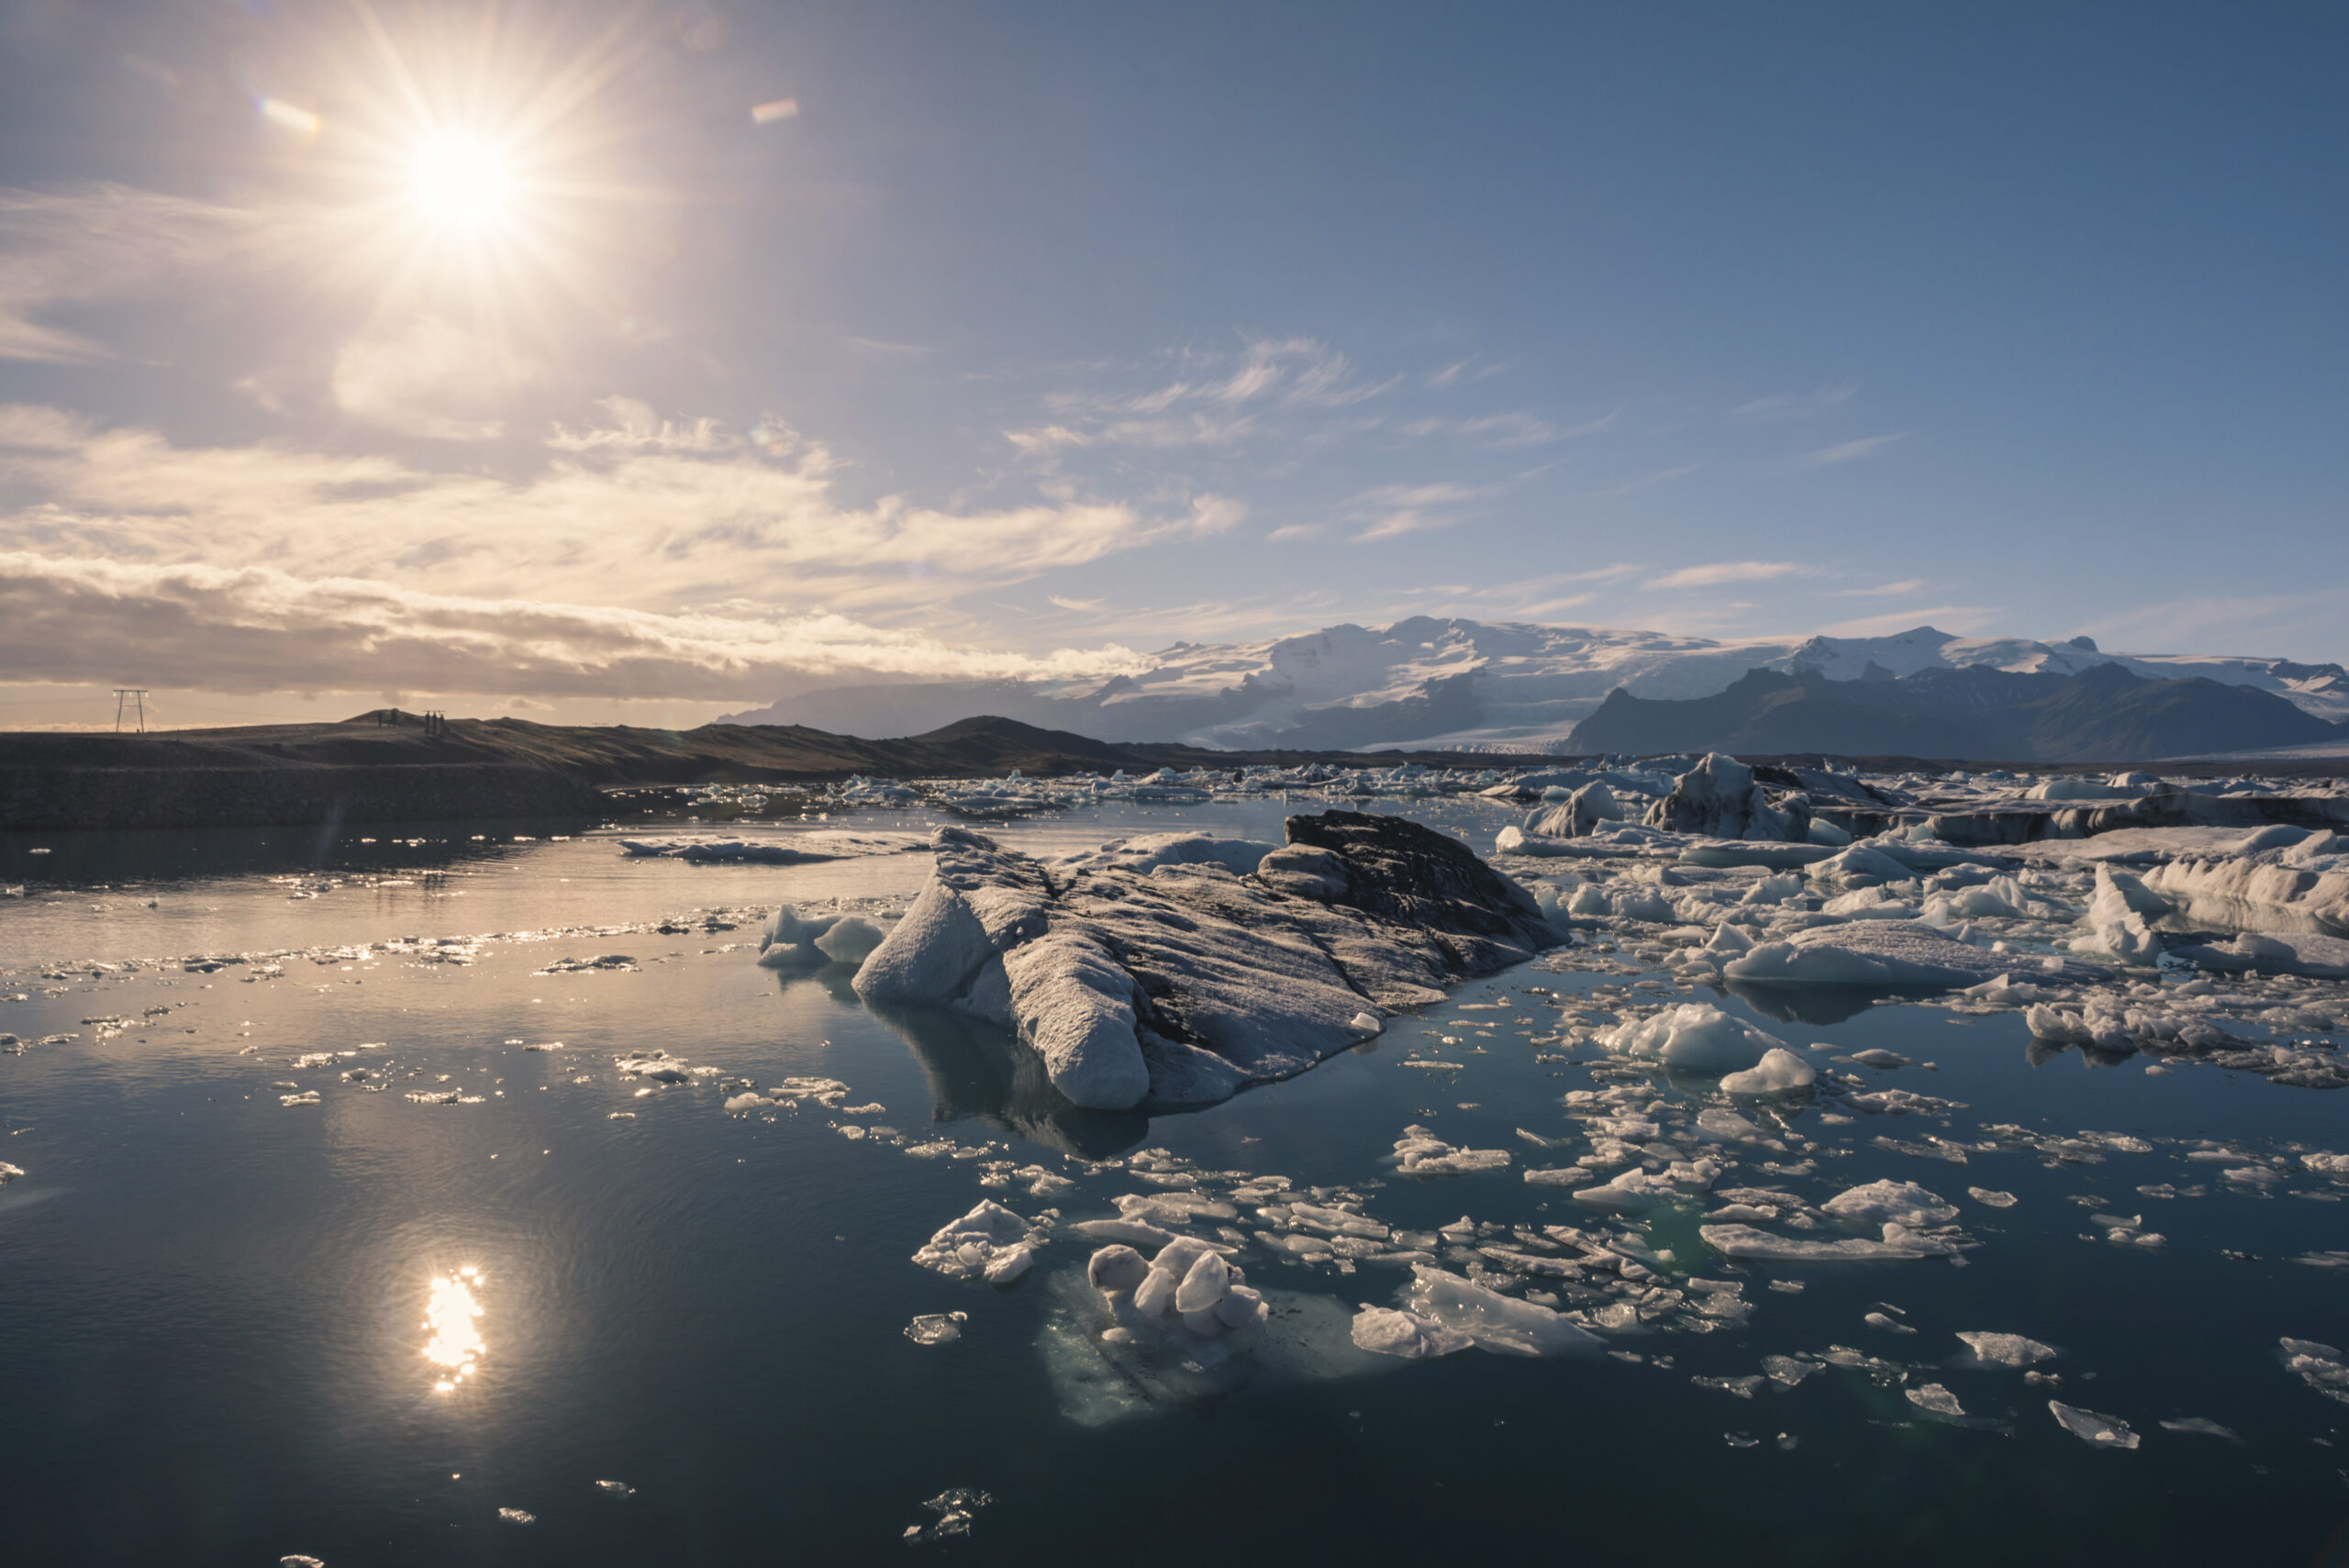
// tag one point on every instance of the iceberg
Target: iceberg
(1180, 983)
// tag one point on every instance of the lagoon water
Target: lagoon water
(574, 1316)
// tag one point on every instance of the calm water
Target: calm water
(219, 1312)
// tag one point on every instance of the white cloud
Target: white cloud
(639, 511)
(431, 379)
(256, 628)
(1827, 457)
(1714, 574)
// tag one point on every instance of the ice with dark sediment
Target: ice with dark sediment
(1177, 983)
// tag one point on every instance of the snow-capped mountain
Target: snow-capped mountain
(1427, 683)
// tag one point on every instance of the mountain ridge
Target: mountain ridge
(1459, 683)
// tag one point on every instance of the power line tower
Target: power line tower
(136, 696)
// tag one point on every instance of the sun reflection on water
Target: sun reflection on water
(452, 1314)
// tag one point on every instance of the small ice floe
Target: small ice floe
(1780, 1071)
(795, 938)
(2325, 1260)
(1882, 1322)
(1389, 1332)
(2319, 1366)
(300, 1560)
(2200, 1426)
(955, 1508)
(2006, 1350)
(792, 849)
(660, 1068)
(1987, 1198)
(615, 1488)
(1742, 1387)
(2096, 1431)
(1903, 1203)
(1694, 1037)
(307, 1097)
(937, 1327)
(1742, 1241)
(1419, 1152)
(1935, 1400)
(609, 962)
(9, 1172)
(517, 1515)
(1787, 1371)
(1894, 952)
(989, 1242)
(1881, 1059)
(1490, 1320)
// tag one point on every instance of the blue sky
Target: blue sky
(1027, 338)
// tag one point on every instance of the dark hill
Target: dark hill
(385, 766)
(2103, 714)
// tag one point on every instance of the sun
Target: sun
(464, 181)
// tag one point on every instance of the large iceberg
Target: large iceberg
(1177, 983)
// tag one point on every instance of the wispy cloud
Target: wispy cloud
(1798, 406)
(1389, 511)
(1714, 574)
(1507, 429)
(70, 247)
(1827, 457)
(1883, 590)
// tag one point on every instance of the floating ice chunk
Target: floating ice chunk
(794, 849)
(1901, 1203)
(1148, 851)
(1936, 1400)
(1240, 1308)
(1893, 952)
(1779, 1072)
(615, 1488)
(1633, 1191)
(517, 1515)
(1154, 1298)
(1116, 1270)
(2007, 1349)
(2318, 1365)
(1008, 1264)
(307, 1097)
(1694, 1037)
(301, 1559)
(1989, 1199)
(1884, 1322)
(1388, 1332)
(1127, 1231)
(9, 1172)
(851, 939)
(1787, 1371)
(1881, 1059)
(1203, 1285)
(964, 1248)
(1728, 1127)
(2318, 956)
(1493, 1321)
(937, 1327)
(1760, 1246)
(1420, 1154)
(2200, 1426)
(1369, 1023)
(956, 1508)
(2112, 926)
(2096, 1431)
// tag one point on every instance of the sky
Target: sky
(596, 363)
